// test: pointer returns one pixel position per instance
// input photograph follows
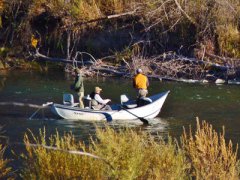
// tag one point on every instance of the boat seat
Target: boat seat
(143, 101)
(130, 106)
(69, 100)
(87, 101)
(125, 102)
(124, 98)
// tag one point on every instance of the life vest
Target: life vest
(93, 101)
(140, 81)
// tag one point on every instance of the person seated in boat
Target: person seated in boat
(97, 102)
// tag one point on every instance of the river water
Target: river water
(218, 104)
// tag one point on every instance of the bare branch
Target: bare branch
(184, 13)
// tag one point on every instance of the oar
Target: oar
(140, 118)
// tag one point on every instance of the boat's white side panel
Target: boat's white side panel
(147, 111)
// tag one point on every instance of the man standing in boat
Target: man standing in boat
(140, 83)
(78, 86)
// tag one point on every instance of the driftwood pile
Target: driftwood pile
(167, 66)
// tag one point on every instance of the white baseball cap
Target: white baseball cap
(139, 70)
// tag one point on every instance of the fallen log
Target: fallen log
(42, 57)
(110, 71)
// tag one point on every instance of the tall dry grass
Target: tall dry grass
(209, 154)
(82, 10)
(138, 155)
(5, 170)
(69, 11)
(125, 155)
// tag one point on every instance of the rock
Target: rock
(210, 78)
(220, 81)
(205, 81)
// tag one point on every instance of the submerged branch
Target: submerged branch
(69, 152)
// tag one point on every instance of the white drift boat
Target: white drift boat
(127, 110)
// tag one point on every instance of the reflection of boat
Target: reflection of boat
(124, 111)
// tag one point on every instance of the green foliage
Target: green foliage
(209, 154)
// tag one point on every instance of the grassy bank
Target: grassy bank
(127, 154)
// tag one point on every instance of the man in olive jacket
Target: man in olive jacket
(79, 87)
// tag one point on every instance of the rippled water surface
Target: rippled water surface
(219, 105)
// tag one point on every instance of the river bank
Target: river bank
(165, 67)
(193, 41)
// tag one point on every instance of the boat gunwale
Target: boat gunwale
(72, 108)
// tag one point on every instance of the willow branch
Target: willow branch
(184, 13)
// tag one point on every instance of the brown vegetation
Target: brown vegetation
(198, 22)
(210, 156)
(127, 154)
(201, 29)
(116, 158)
(5, 169)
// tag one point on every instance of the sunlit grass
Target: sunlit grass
(229, 40)
(127, 154)
(123, 155)
(209, 154)
(5, 169)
